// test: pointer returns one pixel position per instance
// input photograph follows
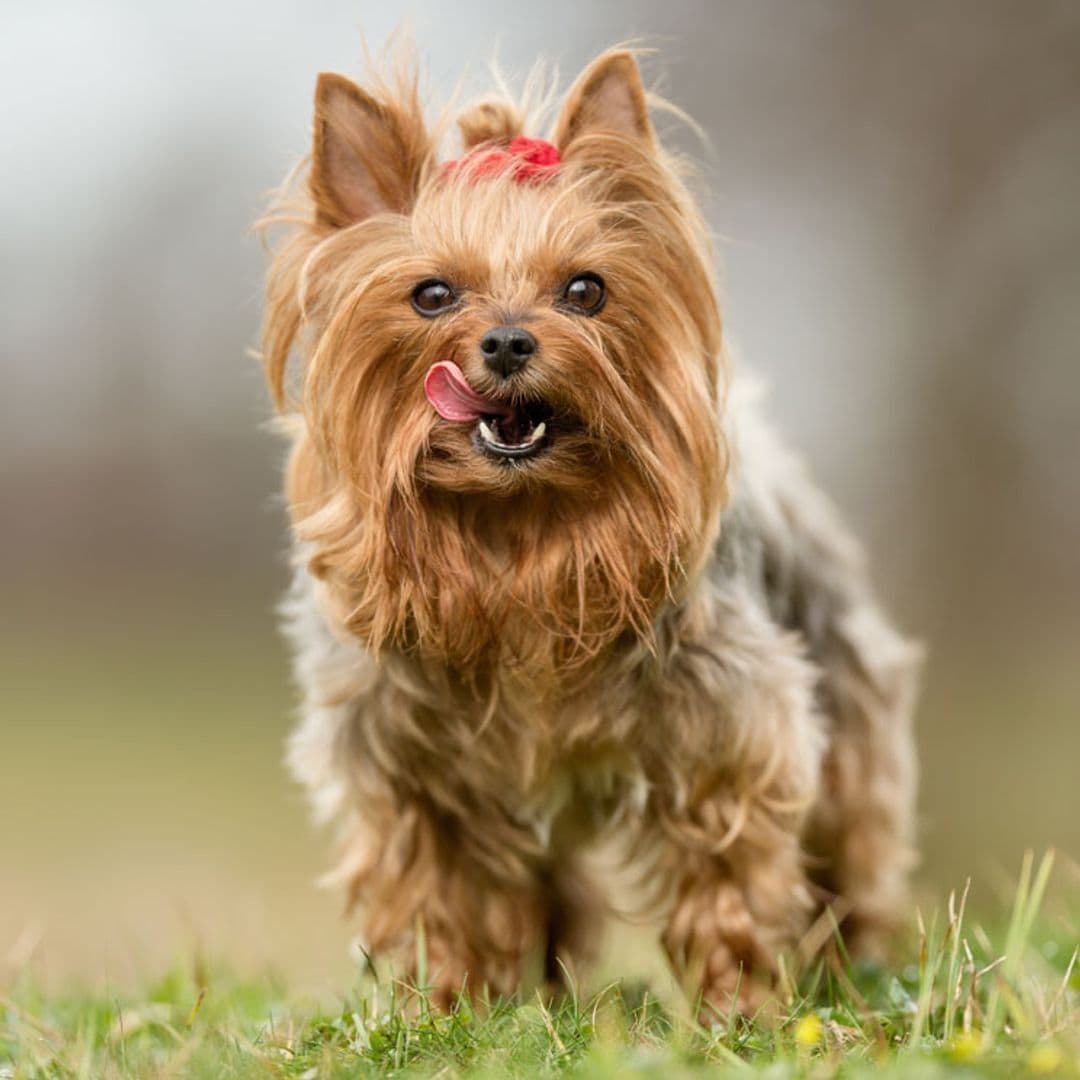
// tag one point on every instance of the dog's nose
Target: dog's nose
(507, 349)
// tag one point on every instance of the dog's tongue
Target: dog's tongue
(454, 398)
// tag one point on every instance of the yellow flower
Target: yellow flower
(965, 1046)
(1044, 1058)
(808, 1031)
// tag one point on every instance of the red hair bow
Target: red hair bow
(526, 159)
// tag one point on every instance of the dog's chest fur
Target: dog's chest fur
(561, 768)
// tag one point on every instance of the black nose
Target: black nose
(507, 349)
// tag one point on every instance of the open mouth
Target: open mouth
(509, 431)
(521, 432)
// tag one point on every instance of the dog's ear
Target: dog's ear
(368, 156)
(607, 98)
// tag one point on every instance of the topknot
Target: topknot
(493, 120)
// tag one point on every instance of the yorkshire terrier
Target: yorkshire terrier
(558, 589)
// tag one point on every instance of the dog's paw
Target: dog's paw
(714, 944)
(730, 984)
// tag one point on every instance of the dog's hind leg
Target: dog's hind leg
(861, 829)
(575, 918)
(787, 540)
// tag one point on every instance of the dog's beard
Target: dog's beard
(429, 547)
(535, 581)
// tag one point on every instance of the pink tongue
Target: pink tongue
(454, 398)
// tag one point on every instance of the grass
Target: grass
(966, 1000)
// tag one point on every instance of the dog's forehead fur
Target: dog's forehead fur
(492, 229)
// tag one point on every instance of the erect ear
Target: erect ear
(607, 97)
(368, 156)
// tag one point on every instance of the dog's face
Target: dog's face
(510, 385)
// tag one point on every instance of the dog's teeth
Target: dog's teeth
(487, 433)
(538, 432)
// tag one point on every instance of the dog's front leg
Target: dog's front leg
(733, 912)
(733, 794)
(457, 903)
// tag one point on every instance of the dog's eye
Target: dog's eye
(433, 297)
(585, 293)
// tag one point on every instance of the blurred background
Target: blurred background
(897, 189)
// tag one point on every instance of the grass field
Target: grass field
(146, 816)
(963, 999)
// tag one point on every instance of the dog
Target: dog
(559, 590)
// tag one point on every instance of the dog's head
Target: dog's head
(510, 385)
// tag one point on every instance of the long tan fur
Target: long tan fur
(655, 634)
